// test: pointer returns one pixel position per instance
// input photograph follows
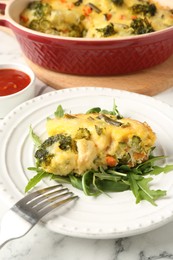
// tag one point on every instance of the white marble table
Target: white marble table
(42, 244)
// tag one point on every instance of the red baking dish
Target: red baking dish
(85, 56)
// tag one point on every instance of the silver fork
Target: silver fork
(23, 216)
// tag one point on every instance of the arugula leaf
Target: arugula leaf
(146, 167)
(147, 194)
(76, 182)
(36, 179)
(116, 111)
(35, 137)
(94, 110)
(110, 186)
(141, 190)
(60, 179)
(104, 111)
(59, 112)
(117, 173)
(104, 176)
(87, 184)
(134, 186)
(157, 169)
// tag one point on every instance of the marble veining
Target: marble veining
(43, 244)
(163, 255)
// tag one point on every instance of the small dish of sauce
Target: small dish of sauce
(17, 85)
(12, 81)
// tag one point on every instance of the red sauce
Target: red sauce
(12, 81)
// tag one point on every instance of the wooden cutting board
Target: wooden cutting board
(149, 82)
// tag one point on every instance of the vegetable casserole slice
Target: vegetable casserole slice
(81, 142)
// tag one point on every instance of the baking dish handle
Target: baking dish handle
(3, 18)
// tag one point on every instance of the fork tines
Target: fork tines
(43, 201)
(23, 216)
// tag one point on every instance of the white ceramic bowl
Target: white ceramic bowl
(8, 102)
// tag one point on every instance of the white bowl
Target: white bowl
(8, 102)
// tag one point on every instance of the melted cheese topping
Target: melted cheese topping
(96, 19)
(97, 138)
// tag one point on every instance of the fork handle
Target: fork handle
(2, 241)
(9, 230)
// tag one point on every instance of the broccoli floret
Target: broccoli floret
(34, 25)
(40, 9)
(76, 30)
(144, 9)
(83, 133)
(42, 154)
(136, 143)
(118, 2)
(34, 5)
(40, 25)
(108, 30)
(141, 26)
(65, 142)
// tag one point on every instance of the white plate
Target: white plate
(101, 217)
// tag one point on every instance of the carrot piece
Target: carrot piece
(108, 16)
(24, 19)
(139, 156)
(87, 10)
(111, 161)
